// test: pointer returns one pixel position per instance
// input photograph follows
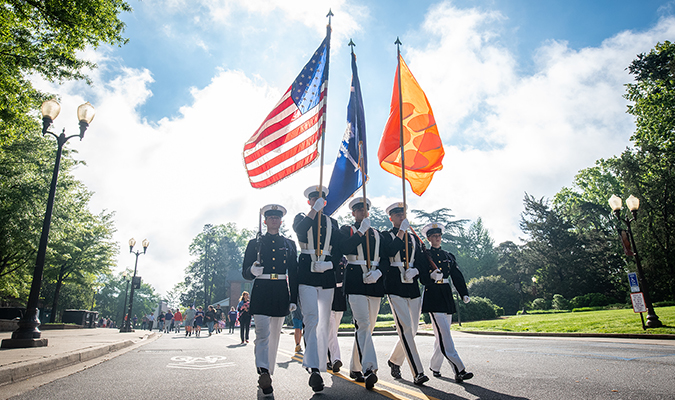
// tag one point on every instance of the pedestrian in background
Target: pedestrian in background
(199, 321)
(178, 319)
(168, 319)
(297, 327)
(189, 320)
(210, 319)
(232, 316)
(244, 316)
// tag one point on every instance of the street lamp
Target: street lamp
(132, 242)
(28, 334)
(633, 204)
(125, 276)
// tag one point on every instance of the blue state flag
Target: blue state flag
(346, 178)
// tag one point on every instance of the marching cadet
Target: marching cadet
(364, 287)
(404, 294)
(438, 301)
(271, 261)
(316, 280)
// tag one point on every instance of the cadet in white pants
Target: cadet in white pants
(270, 260)
(364, 287)
(404, 293)
(439, 303)
(316, 280)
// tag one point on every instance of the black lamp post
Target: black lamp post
(28, 334)
(125, 276)
(127, 324)
(633, 204)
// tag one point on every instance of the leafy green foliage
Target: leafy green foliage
(45, 38)
(478, 309)
(559, 302)
(496, 289)
(590, 300)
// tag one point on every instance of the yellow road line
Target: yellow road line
(384, 392)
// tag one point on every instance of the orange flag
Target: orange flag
(421, 142)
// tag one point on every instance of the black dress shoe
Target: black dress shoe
(265, 383)
(420, 379)
(437, 374)
(357, 376)
(316, 381)
(395, 370)
(370, 379)
(336, 366)
(463, 376)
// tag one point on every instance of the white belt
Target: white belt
(339, 284)
(313, 251)
(442, 281)
(273, 277)
(363, 262)
(397, 264)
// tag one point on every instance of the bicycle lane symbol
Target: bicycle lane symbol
(199, 363)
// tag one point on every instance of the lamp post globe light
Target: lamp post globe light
(126, 327)
(633, 204)
(28, 334)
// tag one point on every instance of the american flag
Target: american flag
(287, 140)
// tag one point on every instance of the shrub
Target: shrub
(560, 303)
(590, 300)
(479, 308)
(496, 289)
(540, 304)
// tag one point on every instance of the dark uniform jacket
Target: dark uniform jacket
(301, 226)
(339, 299)
(278, 255)
(438, 296)
(353, 272)
(392, 278)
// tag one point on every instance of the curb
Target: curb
(575, 334)
(22, 371)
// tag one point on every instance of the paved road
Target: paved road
(176, 367)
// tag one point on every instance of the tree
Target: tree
(26, 166)
(475, 252)
(648, 170)
(496, 289)
(566, 262)
(45, 38)
(110, 299)
(83, 248)
(218, 249)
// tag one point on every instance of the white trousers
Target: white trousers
(407, 317)
(315, 303)
(267, 332)
(364, 312)
(444, 346)
(333, 346)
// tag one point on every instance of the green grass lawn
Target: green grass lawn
(603, 321)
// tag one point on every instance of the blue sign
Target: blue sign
(633, 281)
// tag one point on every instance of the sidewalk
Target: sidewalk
(65, 348)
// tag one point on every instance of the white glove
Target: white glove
(466, 299)
(256, 269)
(411, 273)
(404, 225)
(292, 307)
(372, 276)
(319, 204)
(365, 224)
(437, 275)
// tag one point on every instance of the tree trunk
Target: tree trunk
(55, 303)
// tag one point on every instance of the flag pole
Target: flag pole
(400, 124)
(362, 168)
(323, 140)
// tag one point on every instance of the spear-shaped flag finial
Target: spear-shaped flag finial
(330, 14)
(398, 41)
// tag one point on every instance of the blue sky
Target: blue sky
(525, 93)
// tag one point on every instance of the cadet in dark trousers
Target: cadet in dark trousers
(338, 307)
(275, 290)
(404, 294)
(438, 301)
(316, 280)
(364, 287)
